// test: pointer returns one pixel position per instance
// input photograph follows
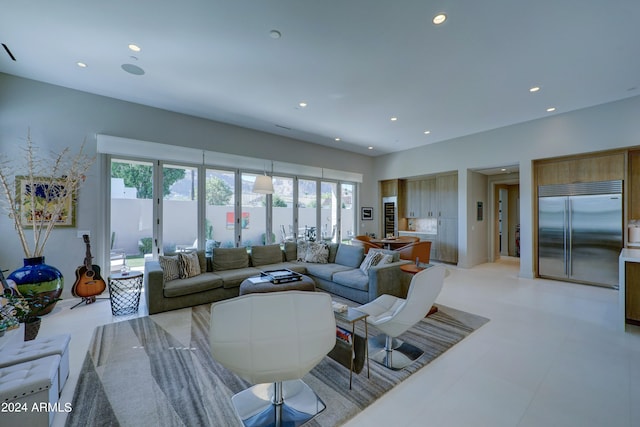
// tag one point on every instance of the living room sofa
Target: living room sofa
(222, 273)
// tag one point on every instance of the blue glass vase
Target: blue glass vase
(40, 278)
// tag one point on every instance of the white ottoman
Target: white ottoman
(41, 347)
(29, 392)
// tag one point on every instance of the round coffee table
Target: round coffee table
(306, 283)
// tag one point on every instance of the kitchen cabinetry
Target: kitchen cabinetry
(429, 201)
(413, 200)
(447, 192)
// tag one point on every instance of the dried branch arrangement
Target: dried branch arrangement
(49, 182)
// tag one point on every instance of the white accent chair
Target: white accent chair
(272, 340)
(394, 316)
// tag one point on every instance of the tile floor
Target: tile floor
(552, 355)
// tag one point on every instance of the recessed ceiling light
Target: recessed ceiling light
(439, 18)
(275, 34)
(551, 109)
(302, 104)
(427, 132)
(394, 119)
(81, 64)
(534, 89)
(337, 139)
(134, 47)
(503, 170)
(370, 148)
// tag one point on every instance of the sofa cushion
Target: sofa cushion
(317, 252)
(230, 258)
(370, 260)
(298, 267)
(354, 278)
(192, 285)
(333, 250)
(395, 255)
(290, 251)
(189, 265)
(350, 255)
(264, 255)
(325, 271)
(233, 278)
(202, 259)
(170, 267)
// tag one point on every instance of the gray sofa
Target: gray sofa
(228, 267)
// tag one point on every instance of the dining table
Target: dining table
(394, 242)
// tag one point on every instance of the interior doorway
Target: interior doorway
(506, 220)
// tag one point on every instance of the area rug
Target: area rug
(158, 371)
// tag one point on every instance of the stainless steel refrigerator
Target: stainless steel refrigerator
(580, 232)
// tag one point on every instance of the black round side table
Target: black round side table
(125, 290)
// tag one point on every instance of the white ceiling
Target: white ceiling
(356, 63)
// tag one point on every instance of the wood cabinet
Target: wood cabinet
(447, 187)
(389, 188)
(429, 201)
(447, 242)
(413, 200)
(632, 292)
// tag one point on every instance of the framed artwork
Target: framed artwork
(43, 200)
(366, 214)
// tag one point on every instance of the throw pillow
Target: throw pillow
(170, 267)
(302, 250)
(386, 259)
(317, 253)
(372, 258)
(189, 265)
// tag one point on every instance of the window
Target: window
(253, 218)
(179, 208)
(282, 202)
(131, 212)
(307, 209)
(219, 229)
(347, 211)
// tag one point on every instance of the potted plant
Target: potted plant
(40, 194)
(25, 309)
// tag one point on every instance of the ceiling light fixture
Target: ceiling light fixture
(81, 64)
(427, 132)
(439, 18)
(263, 183)
(302, 104)
(394, 119)
(369, 148)
(534, 89)
(134, 47)
(551, 109)
(275, 34)
(337, 139)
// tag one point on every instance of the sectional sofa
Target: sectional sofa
(223, 272)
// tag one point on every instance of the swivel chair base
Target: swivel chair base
(256, 406)
(392, 353)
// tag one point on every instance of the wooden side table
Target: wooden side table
(413, 269)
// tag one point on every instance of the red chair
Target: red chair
(367, 245)
(421, 250)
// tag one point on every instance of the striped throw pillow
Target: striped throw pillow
(170, 267)
(189, 265)
(372, 259)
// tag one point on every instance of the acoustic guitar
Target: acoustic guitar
(88, 281)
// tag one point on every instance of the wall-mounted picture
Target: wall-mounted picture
(366, 214)
(44, 200)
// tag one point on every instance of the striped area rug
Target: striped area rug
(158, 371)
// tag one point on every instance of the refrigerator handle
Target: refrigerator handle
(569, 239)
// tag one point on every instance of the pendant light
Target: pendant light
(263, 183)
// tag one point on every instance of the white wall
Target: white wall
(60, 117)
(603, 127)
